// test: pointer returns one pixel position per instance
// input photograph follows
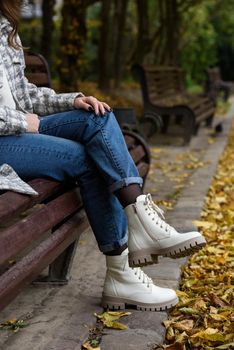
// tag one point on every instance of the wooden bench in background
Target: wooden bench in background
(215, 85)
(164, 93)
(36, 232)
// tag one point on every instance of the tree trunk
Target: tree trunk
(143, 30)
(48, 27)
(121, 12)
(172, 35)
(167, 44)
(72, 40)
(104, 56)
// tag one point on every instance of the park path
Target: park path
(59, 318)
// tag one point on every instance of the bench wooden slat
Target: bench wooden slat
(40, 78)
(130, 141)
(204, 115)
(34, 61)
(143, 168)
(29, 267)
(202, 110)
(37, 70)
(17, 237)
(198, 102)
(12, 204)
(137, 153)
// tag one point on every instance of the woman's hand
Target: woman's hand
(33, 122)
(90, 103)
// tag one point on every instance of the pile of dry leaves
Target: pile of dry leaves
(204, 317)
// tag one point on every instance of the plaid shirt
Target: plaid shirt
(28, 97)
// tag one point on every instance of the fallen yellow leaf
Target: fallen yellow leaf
(209, 334)
(204, 224)
(108, 318)
(185, 325)
(88, 346)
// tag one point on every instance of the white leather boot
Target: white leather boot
(150, 236)
(131, 286)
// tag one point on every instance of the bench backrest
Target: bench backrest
(37, 70)
(159, 81)
(213, 74)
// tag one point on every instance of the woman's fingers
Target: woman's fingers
(107, 107)
(90, 103)
(101, 108)
(93, 102)
(98, 106)
(86, 106)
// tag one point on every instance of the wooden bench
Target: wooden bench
(214, 84)
(40, 232)
(163, 91)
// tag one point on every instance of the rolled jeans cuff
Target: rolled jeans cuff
(125, 182)
(115, 245)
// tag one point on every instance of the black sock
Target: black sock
(117, 251)
(128, 195)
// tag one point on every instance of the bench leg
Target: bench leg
(209, 121)
(196, 128)
(178, 119)
(166, 121)
(60, 268)
(189, 127)
(226, 94)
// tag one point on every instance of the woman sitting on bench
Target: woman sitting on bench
(72, 137)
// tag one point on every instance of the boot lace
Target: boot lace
(156, 213)
(143, 278)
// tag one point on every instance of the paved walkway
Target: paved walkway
(60, 317)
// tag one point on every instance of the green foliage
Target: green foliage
(222, 18)
(198, 50)
(207, 38)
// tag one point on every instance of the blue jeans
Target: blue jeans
(81, 147)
